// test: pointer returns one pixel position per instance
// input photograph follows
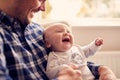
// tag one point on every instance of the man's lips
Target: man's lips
(36, 10)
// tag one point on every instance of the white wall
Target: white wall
(110, 53)
(110, 35)
(108, 58)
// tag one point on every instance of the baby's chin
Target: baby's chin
(66, 48)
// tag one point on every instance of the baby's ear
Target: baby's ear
(47, 44)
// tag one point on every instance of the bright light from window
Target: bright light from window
(82, 12)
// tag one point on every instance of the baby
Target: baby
(59, 38)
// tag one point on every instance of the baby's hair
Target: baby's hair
(46, 25)
(49, 24)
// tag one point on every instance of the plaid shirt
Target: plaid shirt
(22, 51)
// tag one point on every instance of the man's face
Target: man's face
(25, 9)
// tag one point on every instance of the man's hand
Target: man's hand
(70, 73)
(106, 73)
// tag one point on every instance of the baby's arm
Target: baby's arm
(52, 72)
(54, 65)
(98, 42)
(91, 48)
(63, 72)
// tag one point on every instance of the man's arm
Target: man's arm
(94, 69)
(70, 73)
(106, 73)
(3, 69)
(101, 72)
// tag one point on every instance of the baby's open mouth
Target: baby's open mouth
(66, 40)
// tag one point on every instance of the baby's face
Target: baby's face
(59, 37)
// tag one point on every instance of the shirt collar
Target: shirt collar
(4, 18)
(11, 23)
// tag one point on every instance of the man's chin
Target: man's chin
(29, 18)
(26, 22)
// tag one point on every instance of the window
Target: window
(82, 12)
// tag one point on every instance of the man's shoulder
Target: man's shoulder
(34, 27)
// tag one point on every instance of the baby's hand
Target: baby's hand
(98, 41)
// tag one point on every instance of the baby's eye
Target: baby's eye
(59, 31)
(68, 31)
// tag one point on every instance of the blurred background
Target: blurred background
(76, 9)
